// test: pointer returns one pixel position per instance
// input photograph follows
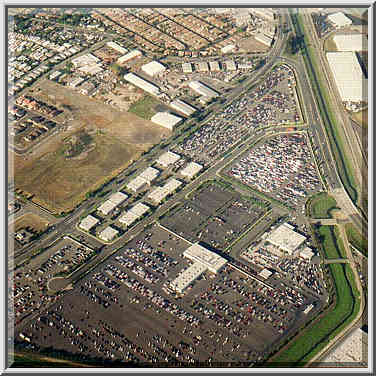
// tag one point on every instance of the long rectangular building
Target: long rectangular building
(183, 107)
(348, 76)
(187, 277)
(202, 89)
(142, 84)
(351, 42)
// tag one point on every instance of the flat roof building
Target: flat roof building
(306, 254)
(153, 68)
(118, 198)
(348, 75)
(149, 174)
(117, 48)
(186, 67)
(191, 170)
(112, 202)
(129, 56)
(339, 20)
(166, 120)
(107, 207)
(136, 184)
(87, 59)
(160, 193)
(265, 273)
(264, 39)
(200, 254)
(230, 65)
(202, 67)
(142, 84)
(88, 223)
(168, 158)
(266, 13)
(227, 49)
(187, 277)
(134, 214)
(286, 239)
(183, 107)
(202, 89)
(108, 234)
(351, 42)
(214, 66)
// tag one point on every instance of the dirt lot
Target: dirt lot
(31, 220)
(252, 45)
(59, 183)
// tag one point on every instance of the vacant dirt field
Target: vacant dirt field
(252, 45)
(31, 220)
(59, 183)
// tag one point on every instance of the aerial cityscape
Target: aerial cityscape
(187, 187)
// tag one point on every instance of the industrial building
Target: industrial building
(153, 68)
(160, 193)
(339, 20)
(168, 158)
(214, 66)
(202, 67)
(88, 223)
(265, 273)
(187, 277)
(110, 204)
(227, 49)
(264, 39)
(202, 255)
(191, 170)
(108, 234)
(266, 13)
(129, 56)
(286, 239)
(348, 76)
(187, 67)
(141, 83)
(117, 48)
(83, 60)
(145, 178)
(91, 69)
(230, 65)
(306, 254)
(351, 42)
(149, 174)
(183, 107)
(167, 120)
(202, 89)
(134, 214)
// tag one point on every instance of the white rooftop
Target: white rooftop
(351, 42)
(183, 107)
(136, 184)
(168, 158)
(153, 68)
(191, 169)
(211, 260)
(286, 238)
(172, 185)
(265, 273)
(88, 222)
(118, 197)
(340, 19)
(106, 207)
(139, 209)
(149, 174)
(108, 234)
(158, 194)
(166, 120)
(184, 279)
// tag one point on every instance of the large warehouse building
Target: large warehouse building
(351, 42)
(339, 20)
(182, 107)
(348, 76)
(153, 68)
(141, 83)
(166, 120)
(202, 89)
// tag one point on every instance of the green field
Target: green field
(320, 206)
(318, 335)
(356, 239)
(331, 242)
(145, 107)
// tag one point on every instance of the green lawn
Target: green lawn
(356, 239)
(331, 242)
(145, 107)
(320, 206)
(319, 334)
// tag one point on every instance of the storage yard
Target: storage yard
(281, 167)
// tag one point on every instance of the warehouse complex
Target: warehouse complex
(88, 223)
(153, 68)
(286, 239)
(166, 120)
(141, 83)
(202, 89)
(339, 20)
(129, 56)
(117, 47)
(145, 178)
(168, 159)
(191, 170)
(203, 260)
(110, 204)
(351, 42)
(183, 107)
(133, 214)
(160, 193)
(348, 76)
(108, 234)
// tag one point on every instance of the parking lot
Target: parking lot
(215, 215)
(281, 167)
(122, 311)
(272, 103)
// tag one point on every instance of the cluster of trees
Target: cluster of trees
(294, 44)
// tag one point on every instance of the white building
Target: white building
(167, 120)
(117, 48)
(202, 67)
(351, 42)
(142, 84)
(91, 69)
(136, 184)
(149, 174)
(348, 76)
(227, 49)
(214, 66)
(265, 273)
(339, 20)
(200, 254)
(187, 67)
(286, 239)
(187, 277)
(108, 234)
(129, 56)
(202, 89)
(88, 223)
(160, 193)
(134, 214)
(153, 68)
(230, 65)
(118, 198)
(306, 254)
(87, 59)
(183, 107)
(264, 39)
(168, 158)
(191, 170)
(266, 13)
(111, 203)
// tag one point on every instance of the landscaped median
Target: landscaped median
(320, 206)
